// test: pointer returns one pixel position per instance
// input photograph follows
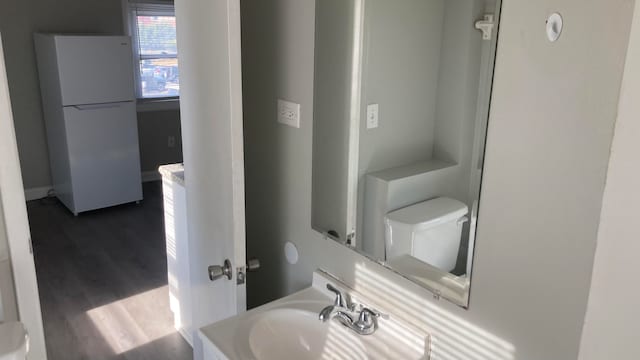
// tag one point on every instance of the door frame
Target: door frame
(13, 203)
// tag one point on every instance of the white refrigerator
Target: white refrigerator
(89, 109)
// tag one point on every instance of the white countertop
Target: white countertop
(173, 172)
(393, 339)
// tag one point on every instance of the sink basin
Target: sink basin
(294, 332)
(287, 333)
(291, 334)
(289, 328)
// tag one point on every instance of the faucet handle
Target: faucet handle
(339, 301)
(367, 322)
(366, 315)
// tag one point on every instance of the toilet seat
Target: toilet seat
(14, 341)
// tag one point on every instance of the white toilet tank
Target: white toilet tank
(429, 231)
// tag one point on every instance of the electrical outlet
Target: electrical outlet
(372, 116)
(171, 141)
(289, 113)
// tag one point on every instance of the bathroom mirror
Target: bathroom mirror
(401, 101)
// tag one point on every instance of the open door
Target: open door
(208, 33)
(13, 215)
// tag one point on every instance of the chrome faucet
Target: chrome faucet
(363, 323)
(339, 304)
(366, 323)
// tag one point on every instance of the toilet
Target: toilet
(14, 341)
(430, 231)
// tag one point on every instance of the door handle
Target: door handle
(217, 271)
(97, 106)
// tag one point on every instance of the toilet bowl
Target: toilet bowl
(14, 341)
(430, 231)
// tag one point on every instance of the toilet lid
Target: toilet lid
(13, 340)
(430, 212)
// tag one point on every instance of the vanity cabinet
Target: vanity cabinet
(177, 242)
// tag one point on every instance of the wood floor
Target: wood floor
(103, 281)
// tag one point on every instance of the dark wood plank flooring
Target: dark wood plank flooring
(102, 278)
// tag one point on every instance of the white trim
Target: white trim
(149, 176)
(8, 305)
(16, 224)
(354, 126)
(37, 193)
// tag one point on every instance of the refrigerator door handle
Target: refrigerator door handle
(98, 106)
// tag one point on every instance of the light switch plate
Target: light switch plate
(289, 113)
(372, 116)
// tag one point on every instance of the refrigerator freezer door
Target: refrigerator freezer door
(95, 69)
(103, 154)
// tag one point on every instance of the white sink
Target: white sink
(295, 334)
(287, 333)
(289, 328)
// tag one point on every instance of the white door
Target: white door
(16, 225)
(95, 69)
(211, 113)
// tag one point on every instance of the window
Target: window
(153, 30)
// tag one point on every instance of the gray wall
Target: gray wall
(154, 129)
(611, 325)
(458, 79)
(277, 55)
(19, 19)
(401, 55)
(335, 21)
(549, 137)
(459, 89)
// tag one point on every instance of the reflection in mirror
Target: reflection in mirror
(401, 101)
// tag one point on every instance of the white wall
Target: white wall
(4, 246)
(611, 325)
(549, 135)
(8, 308)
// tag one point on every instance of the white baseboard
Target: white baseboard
(148, 176)
(37, 193)
(42, 192)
